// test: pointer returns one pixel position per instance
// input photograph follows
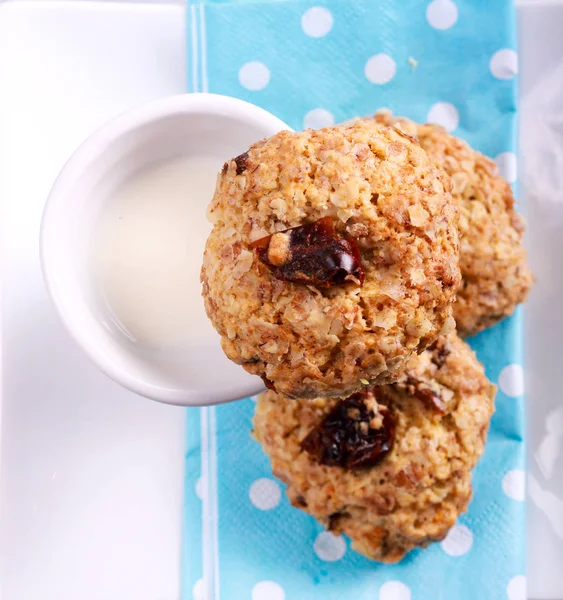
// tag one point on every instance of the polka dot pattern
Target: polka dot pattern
(441, 14)
(508, 166)
(517, 588)
(198, 591)
(444, 114)
(458, 541)
(329, 547)
(514, 484)
(265, 494)
(318, 118)
(504, 64)
(394, 590)
(268, 590)
(380, 69)
(511, 381)
(316, 21)
(254, 76)
(322, 62)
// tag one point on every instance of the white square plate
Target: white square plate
(92, 475)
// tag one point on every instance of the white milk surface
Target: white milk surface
(146, 253)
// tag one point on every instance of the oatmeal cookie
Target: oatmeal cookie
(390, 466)
(496, 276)
(333, 258)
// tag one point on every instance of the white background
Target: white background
(91, 476)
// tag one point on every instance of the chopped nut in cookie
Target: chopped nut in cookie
(426, 394)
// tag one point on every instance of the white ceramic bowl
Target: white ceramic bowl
(192, 124)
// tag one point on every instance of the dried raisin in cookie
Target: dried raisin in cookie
(390, 466)
(496, 276)
(333, 258)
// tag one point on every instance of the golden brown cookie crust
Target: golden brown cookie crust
(417, 491)
(496, 276)
(380, 190)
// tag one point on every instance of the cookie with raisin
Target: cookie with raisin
(332, 260)
(390, 467)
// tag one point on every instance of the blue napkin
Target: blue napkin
(314, 64)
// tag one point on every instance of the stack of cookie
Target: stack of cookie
(339, 263)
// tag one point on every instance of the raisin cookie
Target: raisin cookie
(390, 466)
(333, 258)
(496, 276)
